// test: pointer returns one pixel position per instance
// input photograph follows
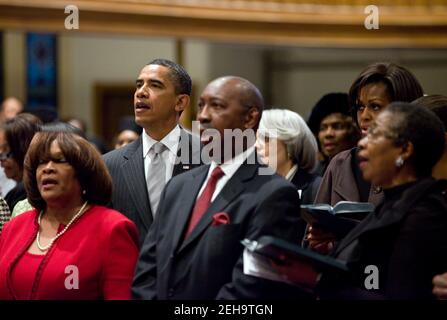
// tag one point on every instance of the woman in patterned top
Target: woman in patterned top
(4, 213)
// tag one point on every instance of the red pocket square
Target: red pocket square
(221, 218)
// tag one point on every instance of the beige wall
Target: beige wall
(237, 60)
(296, 77)
(197, 57)
(301, 76)
(14, 62)
(85, 60)
(206, 61)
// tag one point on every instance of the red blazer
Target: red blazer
(102, 244)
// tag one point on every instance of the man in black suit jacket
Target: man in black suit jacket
(207, 262)
(163, 91)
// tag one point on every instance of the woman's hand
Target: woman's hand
(440, 286)
(319, 240)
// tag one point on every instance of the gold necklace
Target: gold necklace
(45, 248)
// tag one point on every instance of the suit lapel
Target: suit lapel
(189, 194)
(233, 188)
(188, 154)
(135, 177)
(343, 186)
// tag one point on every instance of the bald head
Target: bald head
(10, 108)
(246, 92)
(232, 106)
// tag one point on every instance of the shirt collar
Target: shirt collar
(230, 167)
(291, 173)
(171, 141)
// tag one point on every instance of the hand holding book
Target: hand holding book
(338, 220)
(276, 259)
(298, 272)
(319, 240)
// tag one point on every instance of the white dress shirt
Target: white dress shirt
(229, 168)
(291, 174)
(171, 141)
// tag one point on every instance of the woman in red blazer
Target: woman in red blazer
(70, 246)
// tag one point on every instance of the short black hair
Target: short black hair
(416, 124)
(401, 84)
(436, 103)
(180, 78)
(336, 102)
(19, 132)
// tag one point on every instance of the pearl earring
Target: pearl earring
(84, 192)
(399, 162)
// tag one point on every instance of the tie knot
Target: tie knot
(158, 147)
(217, 173)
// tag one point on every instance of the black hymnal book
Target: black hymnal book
(280, 251)
(340, 219)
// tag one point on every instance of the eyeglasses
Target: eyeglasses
(375, 133)
(5, 155)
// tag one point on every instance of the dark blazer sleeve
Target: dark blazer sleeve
(420, 252)
(112, 161)
(276, 215)
(144, 282)
(408, 249)
(308, 196)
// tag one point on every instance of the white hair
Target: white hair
(290, 128)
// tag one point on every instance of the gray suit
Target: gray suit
(126, 166)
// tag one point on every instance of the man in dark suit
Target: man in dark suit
(163, 91)
(194, 249)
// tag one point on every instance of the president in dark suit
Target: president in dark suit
(194, 250)
(141, 169)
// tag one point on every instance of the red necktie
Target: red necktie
(204, 200)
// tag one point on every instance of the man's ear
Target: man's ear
(182, 102)
(252, 118)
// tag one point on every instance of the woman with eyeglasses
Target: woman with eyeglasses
(395, 252)
(70, 246)
(15, 137)
(372, 91)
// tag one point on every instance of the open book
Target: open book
(340, 219)
(279, 260)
